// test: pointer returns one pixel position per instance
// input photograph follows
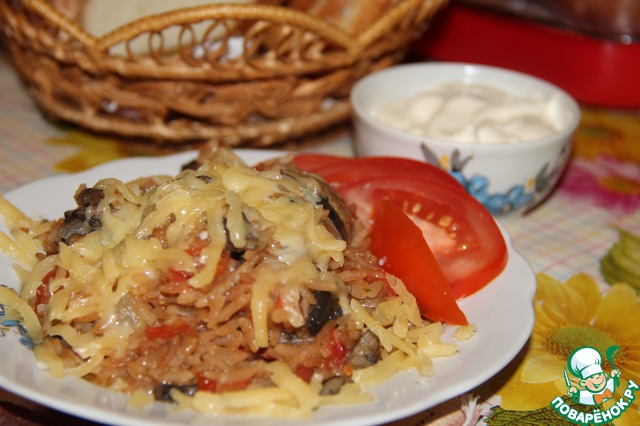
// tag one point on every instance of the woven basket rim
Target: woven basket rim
(182, 94)
(354, 44)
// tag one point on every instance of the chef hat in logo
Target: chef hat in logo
(585, 362)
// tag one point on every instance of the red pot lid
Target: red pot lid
(594, 71)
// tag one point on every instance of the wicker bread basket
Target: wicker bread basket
(237, 74)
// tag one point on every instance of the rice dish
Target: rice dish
(226, 289)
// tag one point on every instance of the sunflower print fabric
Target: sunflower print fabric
(585, 245)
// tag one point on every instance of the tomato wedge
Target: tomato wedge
(398, 242)
(342, 170)
(461, 233)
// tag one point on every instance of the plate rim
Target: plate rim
(323, 416)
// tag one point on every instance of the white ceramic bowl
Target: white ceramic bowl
(507, 177)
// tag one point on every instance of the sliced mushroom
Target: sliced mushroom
(89, 197)
(326, 308)
(192, 165)
(339, 214)
(252, 238)
(332, 385)
(84, 219)
(365, 353)
(162, 391)
(339, 217)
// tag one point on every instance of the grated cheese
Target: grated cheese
(147, 228)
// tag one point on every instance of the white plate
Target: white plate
(502, 311)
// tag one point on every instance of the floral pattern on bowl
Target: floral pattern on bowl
(518, 197)
(11, 326)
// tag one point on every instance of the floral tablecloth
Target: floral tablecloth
(565, 241)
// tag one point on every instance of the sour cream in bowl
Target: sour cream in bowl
(506, 136)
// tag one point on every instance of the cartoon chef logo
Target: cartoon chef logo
(597, 386)
(594, 387)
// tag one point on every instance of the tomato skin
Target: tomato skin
(223, 264)
(166, 332)
(207, 385)
(398, 242)
(305, 373)
(43, 293)
(337, 350)
(469, 245)
(174, 276)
